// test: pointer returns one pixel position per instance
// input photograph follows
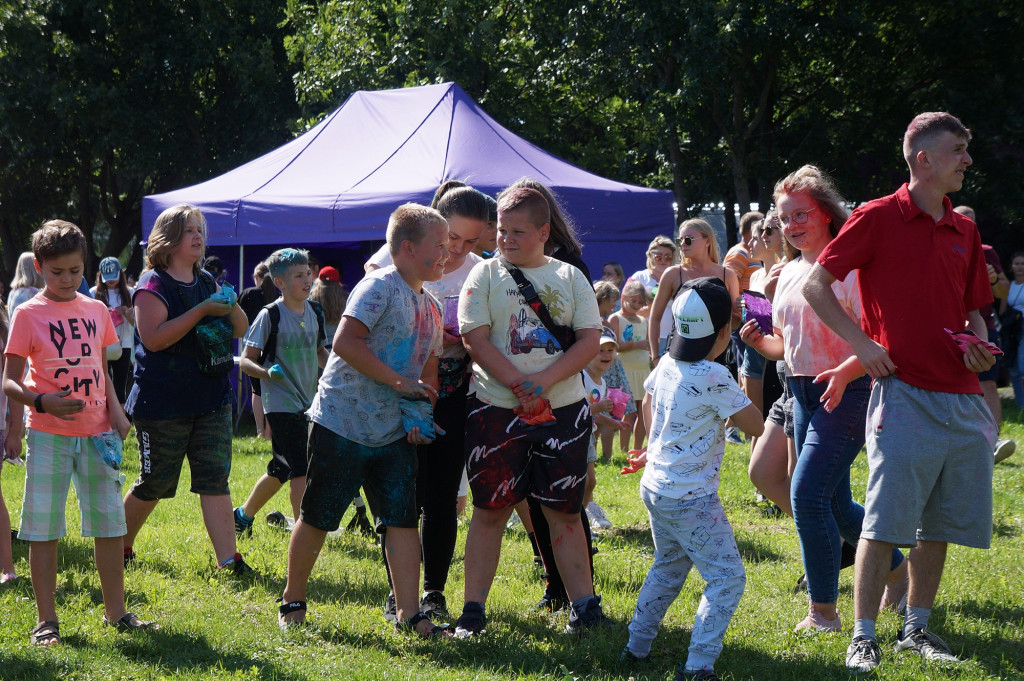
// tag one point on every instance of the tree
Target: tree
(105, 102)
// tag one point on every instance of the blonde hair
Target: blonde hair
(704, 228)
(605, 290)
(636, 287)
(409, 222)
(658, 242)
(168, 231)
(25, 274)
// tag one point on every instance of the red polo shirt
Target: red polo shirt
(916, 277)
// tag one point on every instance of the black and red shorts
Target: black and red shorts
(506, 460)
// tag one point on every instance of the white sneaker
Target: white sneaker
(598, 519)
(1004, 449)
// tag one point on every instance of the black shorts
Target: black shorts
(339, 467)
(506, 461)
(288, 436)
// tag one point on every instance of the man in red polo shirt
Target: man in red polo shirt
(930, 435)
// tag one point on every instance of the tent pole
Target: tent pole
(241, 377)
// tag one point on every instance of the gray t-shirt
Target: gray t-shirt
(297, 346)
(405, 331)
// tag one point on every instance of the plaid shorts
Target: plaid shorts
(52, 463)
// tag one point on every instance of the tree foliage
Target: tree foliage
(104, 102)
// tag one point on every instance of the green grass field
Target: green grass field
(215, 627)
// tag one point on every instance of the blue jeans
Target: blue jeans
(1017, 376)
(823, 506)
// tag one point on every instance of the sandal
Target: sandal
(287, 609)
(409, 625)
(46, 634)
(130, 622)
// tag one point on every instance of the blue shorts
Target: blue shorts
(339, 467)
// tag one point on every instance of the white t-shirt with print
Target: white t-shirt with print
(490, 297)
(690, 404)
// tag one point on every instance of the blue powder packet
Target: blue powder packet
(110, 446)
(418, 412)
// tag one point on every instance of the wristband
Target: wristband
(39, 403)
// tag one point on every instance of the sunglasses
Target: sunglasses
(688, 240)
(662, 257)
(767, 231)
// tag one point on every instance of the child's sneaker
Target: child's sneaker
(598, 518)
(361, 523)
(587, 616)
(815, 623)
(472, 621)
(550, 603)
(129, 556)
(278, 521)
(237, 567)
(242, 526)
(391, 608)
(699, 675)
(434, 605)
(629, 657)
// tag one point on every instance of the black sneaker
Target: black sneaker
(701, 675)
(863, 655)
(588, 616)
(550, 603)
(390, 608)
(434, 606)
(472, 621)
(237, 567)
(129, 557)
(361, 523)
(278, 520)
(242, 527)
(627, 656)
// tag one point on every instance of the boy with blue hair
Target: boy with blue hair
(689, 398)
(288, 378)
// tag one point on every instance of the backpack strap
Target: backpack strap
(527, 290)
(321, 323)
(269, 353)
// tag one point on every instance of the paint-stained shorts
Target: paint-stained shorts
(288, 442)
(164, 443)
(506, 461)
(52, 463)
(339, 467)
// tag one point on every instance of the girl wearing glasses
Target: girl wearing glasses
(700, 259)
(830, 391)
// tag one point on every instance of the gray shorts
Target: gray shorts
(930, 461)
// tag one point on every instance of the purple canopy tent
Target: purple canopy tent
(337, 183)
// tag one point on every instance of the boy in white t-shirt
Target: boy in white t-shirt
(689, 397)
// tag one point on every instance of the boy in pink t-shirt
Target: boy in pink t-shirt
(74, 432)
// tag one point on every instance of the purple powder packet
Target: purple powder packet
(757, 306)
(451, 315)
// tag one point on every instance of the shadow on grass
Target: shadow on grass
(754, 551)
(180, 651)
(31, 667)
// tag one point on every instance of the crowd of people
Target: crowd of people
(476, 353)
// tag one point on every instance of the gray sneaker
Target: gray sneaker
(927, 645)
(862, 655)
(390, 608)
(1004, 449)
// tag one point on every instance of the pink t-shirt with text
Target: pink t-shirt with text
(63, 342)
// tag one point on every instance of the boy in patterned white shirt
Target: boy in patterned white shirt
(690, 397)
